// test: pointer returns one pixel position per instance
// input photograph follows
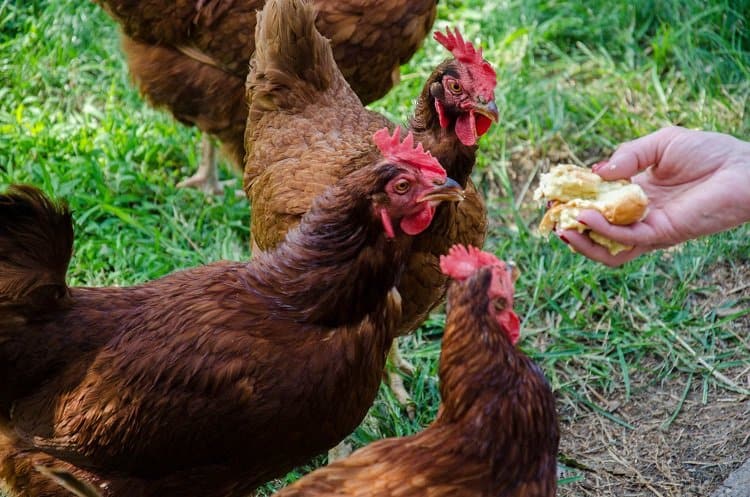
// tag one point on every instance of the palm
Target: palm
(697, 183)
(693, 191)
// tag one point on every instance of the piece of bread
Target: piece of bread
(569, 189)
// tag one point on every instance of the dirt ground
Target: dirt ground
(690, 457)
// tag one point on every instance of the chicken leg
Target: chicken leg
(206, 178)
(397, 363)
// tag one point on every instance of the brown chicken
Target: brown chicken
(307, 129)
(496, 433)
(209, 381)
(190, 56)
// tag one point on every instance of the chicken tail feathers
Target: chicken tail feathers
(293, 62)
(36, 243)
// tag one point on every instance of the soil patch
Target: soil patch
(692, 456)
(686, 455)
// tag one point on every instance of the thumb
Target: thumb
(637, 155)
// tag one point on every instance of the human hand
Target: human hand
(697, 183)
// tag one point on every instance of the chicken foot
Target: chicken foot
(206, 178)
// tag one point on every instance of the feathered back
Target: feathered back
(293, 62)
(36, 243)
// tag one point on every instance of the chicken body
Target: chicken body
(303, 113)
(189, 405)
(191, 56)
(209, 381)
(496, 433)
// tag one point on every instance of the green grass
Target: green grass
(574, 79)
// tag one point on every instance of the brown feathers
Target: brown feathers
(191, 56)
(496, 433)
(69, 481)
(297, 144)
(294, 63)
(208, 381)
(36, 243)
(207, 95)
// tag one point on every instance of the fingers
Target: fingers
(634, 156)
(640, 235)
(643, 236)
(632, 234)
(586, 247)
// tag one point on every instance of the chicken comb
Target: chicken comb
(395, 150)
(461, 49)
(465, 52)
(461, 262)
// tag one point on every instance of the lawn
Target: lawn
(650, 362)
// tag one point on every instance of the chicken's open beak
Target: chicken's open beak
(488, 110)
(450, 191)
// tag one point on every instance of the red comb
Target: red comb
(394, 149)
(465, 52)
(461, 49)
(461, 262)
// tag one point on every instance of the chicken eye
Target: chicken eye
(454, 86)
(401, 186)
(499, 304)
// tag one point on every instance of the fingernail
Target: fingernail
(598, 165)
(612, 166)
(562, 237)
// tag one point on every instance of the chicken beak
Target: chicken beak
(450, 191)
(488, 110)
(514, 271)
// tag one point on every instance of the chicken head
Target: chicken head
(462, 263)
(415, 185)
(465, 91)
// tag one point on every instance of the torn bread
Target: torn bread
(569, 189)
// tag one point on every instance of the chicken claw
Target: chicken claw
(206, 178)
